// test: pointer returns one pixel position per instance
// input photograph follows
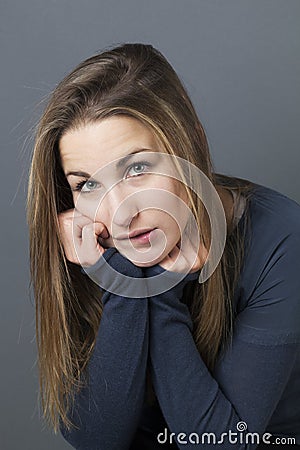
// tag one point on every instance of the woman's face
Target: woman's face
(107, 165)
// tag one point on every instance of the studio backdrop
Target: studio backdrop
(239, 61)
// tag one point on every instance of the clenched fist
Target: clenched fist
(79, 236)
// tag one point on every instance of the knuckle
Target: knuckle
(88, 230)
(65, 221)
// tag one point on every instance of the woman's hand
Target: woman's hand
(178, 268)
(188, 258)
(79, 236)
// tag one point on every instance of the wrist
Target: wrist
(169, 281)
(105, 257)
(113, 272)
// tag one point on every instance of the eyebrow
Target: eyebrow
(119, 164)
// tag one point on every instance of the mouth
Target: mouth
(142, 238)
(141, 235)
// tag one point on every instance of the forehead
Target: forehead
(99, 143)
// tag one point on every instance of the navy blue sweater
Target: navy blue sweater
(255, 385)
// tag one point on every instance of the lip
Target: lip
(134, 234)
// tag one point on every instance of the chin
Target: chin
(148, 263)
(155, 260)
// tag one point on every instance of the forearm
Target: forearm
(108, 409)
(187, 393)
(194, 400)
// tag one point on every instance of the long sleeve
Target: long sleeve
(250, 377)
(107, 410)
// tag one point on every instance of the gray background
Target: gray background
(240, 63)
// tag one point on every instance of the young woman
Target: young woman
(190, 363)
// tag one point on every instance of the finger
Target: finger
(174, 252)
(197, 258)
(91, 233)
(188, 259)
(79, 223)
(70, 227)
(175, 261)
(101, 230)
(90, 248)
(189, 251)
(72, 220)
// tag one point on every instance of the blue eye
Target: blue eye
(137, 168)
(90, 185)
(86, 186)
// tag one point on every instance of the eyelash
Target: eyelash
(80, 184)
(136, 163)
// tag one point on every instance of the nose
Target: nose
(118, 209)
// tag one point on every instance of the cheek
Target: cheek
(170, 228)
(83, 206)
(175, 215)
(91, 207)
(175, 188)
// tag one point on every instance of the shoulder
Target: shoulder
(269, 285)
(272, 210)
(273, 221)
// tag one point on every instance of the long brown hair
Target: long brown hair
(136, 80)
